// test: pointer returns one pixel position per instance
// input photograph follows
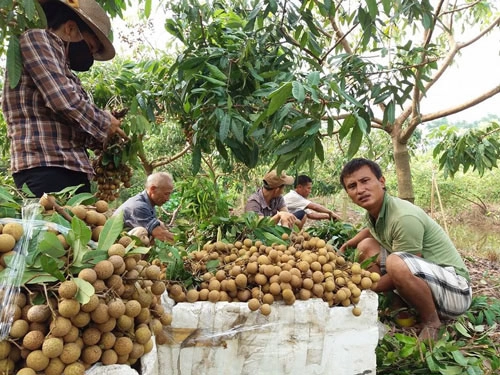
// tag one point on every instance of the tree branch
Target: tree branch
(417, 118)
(415, 111)
(481, 34)
(461, 107)
(165, 161)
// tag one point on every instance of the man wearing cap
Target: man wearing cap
(268, 200)
(51, 121)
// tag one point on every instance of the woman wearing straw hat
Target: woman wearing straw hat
(51, 120)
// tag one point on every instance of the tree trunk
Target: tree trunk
(403, 171)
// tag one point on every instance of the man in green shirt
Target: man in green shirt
(415, 258)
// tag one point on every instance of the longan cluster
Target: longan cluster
(10, 233)
(110, 178)
(261, 274)
(116, 326)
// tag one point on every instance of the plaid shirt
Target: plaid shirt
(50, 119)
(257, 203)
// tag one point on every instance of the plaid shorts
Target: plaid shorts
(451, 292)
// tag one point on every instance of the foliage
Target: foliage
(335, 233)
(270, 81)
(202, 198)
(137, 87)
(466, 346)
(229, 229)
(173, 258)
(478, 149)
(278, 78)
(246, 76)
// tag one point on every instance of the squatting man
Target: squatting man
(414, 256)
(139, 211)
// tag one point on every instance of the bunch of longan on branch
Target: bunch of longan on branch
(110, 164)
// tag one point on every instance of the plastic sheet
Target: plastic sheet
(45, 225)
(11, 283)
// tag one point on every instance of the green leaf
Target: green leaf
(212, 80)
(196, 159)
(5, 196)
(313, 79)
(290, 146)
(215, 72)
(462, 330)
(85, 290)
(41, 14)
(356, 138)
(81, 198)
(405, 339)
(459, 357)
(110, 232)
(147, 8)
(431, 362)
(347, 125)
(387, 4)
(78, 237)
(335, 87)
(274, 239)
(298, 91)
(212, 265)
(225, 123)
(50, 266)
(389, 113)
(51, 246)
(407, 351)
(93, 257)
(237, 130)
(318, 148)
(279, 97)
(37, 277)
(29, 9)
(372, 8)
(139, 250)
(14, 61)
(427, 20)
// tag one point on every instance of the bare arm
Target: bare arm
(286, 218)
(353, 242)
(322, 213)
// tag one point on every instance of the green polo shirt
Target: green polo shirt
(402, 226)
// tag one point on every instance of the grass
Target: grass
(476, 239)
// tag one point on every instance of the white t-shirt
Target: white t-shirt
(295, 202)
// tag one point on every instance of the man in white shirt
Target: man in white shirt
(298, 204)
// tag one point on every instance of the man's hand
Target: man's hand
(343, 248)
(115, 124)
(334, 216)
(287, 219)
(163, 234)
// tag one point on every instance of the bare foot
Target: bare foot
(429, 333)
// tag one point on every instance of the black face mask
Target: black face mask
(80, 57)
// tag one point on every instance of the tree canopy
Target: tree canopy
(269, 80)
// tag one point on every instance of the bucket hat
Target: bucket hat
(273, 180)
(96, 18)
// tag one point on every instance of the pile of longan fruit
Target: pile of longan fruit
(260, 274)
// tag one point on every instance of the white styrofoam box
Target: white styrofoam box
(307, 337)
(99, 369)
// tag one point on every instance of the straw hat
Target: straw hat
(96, 18)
